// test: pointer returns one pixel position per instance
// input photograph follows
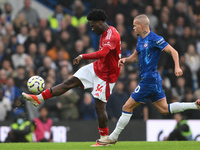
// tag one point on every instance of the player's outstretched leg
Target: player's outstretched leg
(180, 107)
(55, 91)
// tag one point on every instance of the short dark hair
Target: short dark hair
(97, 15)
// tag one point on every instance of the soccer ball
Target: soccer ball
(35, 84)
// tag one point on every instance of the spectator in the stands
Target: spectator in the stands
(157, 8)
(19, 58)
(66, 40)
(153, 18)
(43, 126)
(21, 130)
(56, 19)
(13, 44)
(9, 31)
(82, 30)
(20, 78)
(5, 106)
(119, 19)
(124, 7)
(116, 101)
(3, 24)
(3, 77)
(162, 26)
(19, 21)
(58, 52)
(8, 9)
(67, 105)
(29, 64)
(32, 50)
(32, 38)
(138, 4)
(196, 7)
(79, 17)
(179, 27)
(41, 54)
(192, 59)
(7, 66)
(186, 39)
(61, 57)
(47, 65)
(181, 11)
(18, 107)
(48, 39)
(87, 109)
(186, 72)
(10, 90)
(179, 90)
(30, 13)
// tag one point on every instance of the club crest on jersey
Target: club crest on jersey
(145, 45)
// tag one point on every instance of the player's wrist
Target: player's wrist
(81, 55)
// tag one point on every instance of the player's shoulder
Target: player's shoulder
(156, 38)
(113, 30)
(112, 33)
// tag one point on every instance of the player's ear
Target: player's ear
(142, 26)
(100, 22)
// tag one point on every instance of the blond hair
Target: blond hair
(142, 19)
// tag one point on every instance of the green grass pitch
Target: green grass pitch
(172, 145)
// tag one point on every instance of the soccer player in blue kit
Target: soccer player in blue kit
(147, 53)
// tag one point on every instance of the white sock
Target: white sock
(101, 137)
(180, 107)
(40, 97)
(122, 122)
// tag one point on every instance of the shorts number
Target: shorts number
(137, 89)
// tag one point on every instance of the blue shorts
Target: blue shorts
(144, 91)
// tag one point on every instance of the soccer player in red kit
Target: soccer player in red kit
(100, 75)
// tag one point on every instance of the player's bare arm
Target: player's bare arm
(169, 49)
(131, 59)
(77, 60)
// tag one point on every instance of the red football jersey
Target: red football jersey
(106, 67)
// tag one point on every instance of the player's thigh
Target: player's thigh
(130, 105)
(86, 75)
(162, 106)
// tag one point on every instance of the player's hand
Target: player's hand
(77, 60)
(121, 62)
(178, 72)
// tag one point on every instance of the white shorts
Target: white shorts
(101, 89)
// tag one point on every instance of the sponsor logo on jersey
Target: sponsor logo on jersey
(145, 45)
(161, 41)
(108, 43)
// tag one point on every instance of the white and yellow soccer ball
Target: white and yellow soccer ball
(35, 84)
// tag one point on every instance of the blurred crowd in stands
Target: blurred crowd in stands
(30, 45)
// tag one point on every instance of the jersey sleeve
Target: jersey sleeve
(97, 55)
(160, 43)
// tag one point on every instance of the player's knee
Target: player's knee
(127, 108)
(164, 111)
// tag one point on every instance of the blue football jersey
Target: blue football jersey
(149, 50)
